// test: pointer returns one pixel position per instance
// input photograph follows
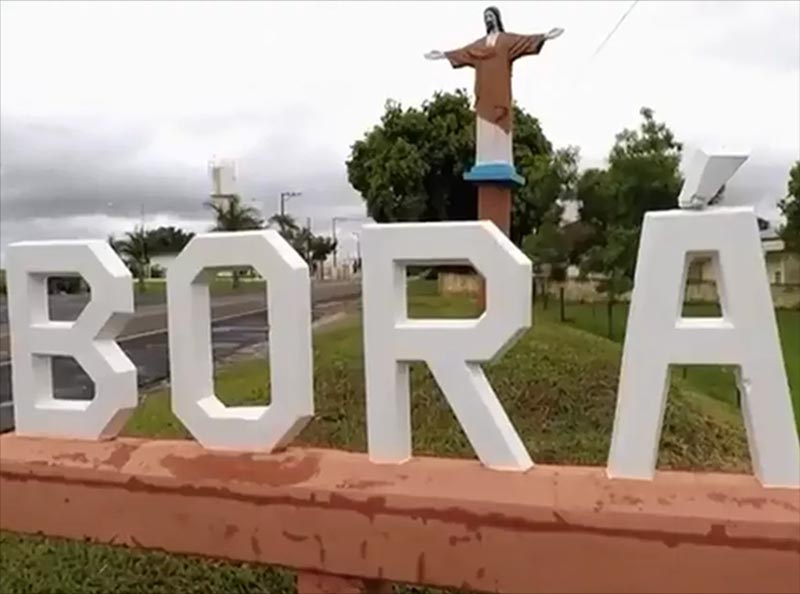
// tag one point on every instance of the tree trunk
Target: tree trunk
(610, 307)
(235, 278)
(545, 293)
(561, 299)
(142, 284)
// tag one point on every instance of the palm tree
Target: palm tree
(286, 224)
(234, 215)
(312, 248)
(169, 240)
(134, 249)
(319, 248)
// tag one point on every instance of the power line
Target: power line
(614, 30)
(585, 68)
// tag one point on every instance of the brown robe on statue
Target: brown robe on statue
(493, 72)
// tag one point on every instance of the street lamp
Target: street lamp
(284, 197)
(333, 232)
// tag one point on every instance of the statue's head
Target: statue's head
(491, 17)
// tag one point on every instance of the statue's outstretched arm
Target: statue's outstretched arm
(553, 33)
(457, 58)
(435, 55)
(529, 45)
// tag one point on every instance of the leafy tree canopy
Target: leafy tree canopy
(235, 215)
(167, 239)
(410, 166)
(790, 206)
(314, 249)
(134, 247)
(548, 248)
(642, 175)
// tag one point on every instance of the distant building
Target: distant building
(783, 266)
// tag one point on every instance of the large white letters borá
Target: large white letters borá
(89, 339)
(453, 349)
(214, 425)
(746, 336)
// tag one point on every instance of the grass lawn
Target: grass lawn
(558, 385)
(715, 381)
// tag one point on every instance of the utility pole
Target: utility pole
(335, 246)
(308, 237)
(284, 197)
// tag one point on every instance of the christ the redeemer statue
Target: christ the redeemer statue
(492, 57)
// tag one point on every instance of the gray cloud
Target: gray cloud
(754, 35)
(291, 109)
(61, 171)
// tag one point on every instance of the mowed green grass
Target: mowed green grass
(558, 385)
(715, 381)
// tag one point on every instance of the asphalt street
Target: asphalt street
(239, 321)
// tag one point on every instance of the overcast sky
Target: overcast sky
(108, 109)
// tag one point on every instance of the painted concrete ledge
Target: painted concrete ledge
(431, 521)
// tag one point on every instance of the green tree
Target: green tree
(596, 198)
(135, 251)
(410, 166)
(642, 175)
(319, 248)
(301, 242)
(644, 170)
(790, 206)
(551, 179)
(168, 239)
(615, 259)
(286, 224)
(580, 236)
(549, 252)
(314, 249)
(234, 215)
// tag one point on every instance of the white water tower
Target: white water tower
(223, 180)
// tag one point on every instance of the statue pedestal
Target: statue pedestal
(494, 204)
(494, 181)
(498, 172)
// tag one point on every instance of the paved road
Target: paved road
(240, 321)
(67, 307)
